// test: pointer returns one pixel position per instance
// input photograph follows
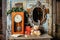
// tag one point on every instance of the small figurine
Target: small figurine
(28, 30)
(35, 31)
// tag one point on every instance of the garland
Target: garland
(17, 9)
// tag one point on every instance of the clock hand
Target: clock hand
(17, 17)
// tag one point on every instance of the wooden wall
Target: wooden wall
(58, 20)
(4, 20)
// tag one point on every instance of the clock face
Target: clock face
(18, 18)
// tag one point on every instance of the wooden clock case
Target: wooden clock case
(21, 24)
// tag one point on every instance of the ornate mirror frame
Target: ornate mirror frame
(39, 6)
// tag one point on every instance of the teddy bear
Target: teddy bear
(35, 30)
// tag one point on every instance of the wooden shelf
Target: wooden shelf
(41, 37)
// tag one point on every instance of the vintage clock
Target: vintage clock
(17, 22)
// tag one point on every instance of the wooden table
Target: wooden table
(42, 37)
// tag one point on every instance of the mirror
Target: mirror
(37, 14)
